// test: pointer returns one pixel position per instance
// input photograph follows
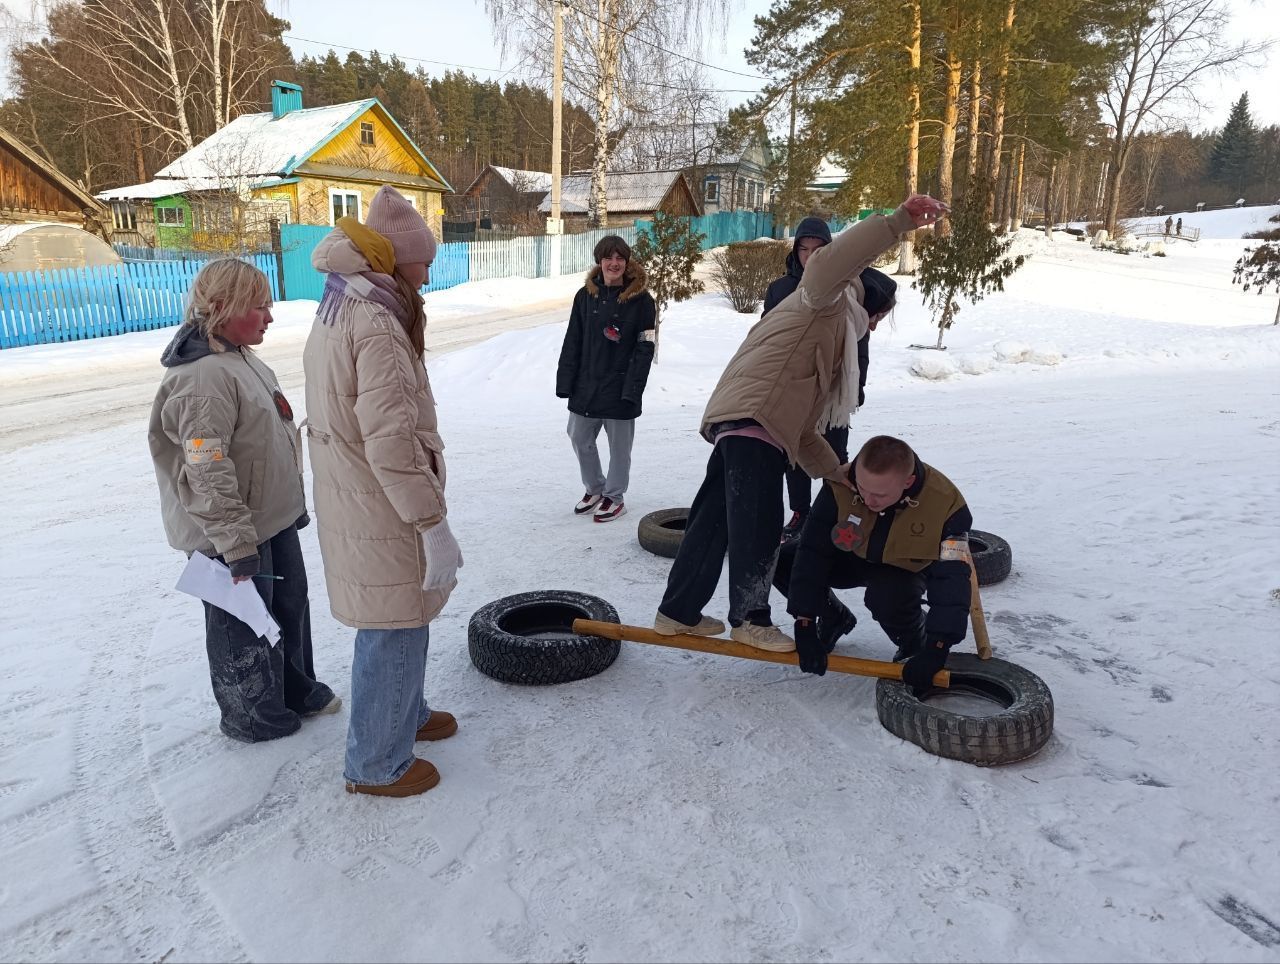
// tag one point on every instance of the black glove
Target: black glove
(248, 566)
(917, 672)
(809, 648)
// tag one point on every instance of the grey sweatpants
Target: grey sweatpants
(621, 433)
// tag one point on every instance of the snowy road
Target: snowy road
(94, 397)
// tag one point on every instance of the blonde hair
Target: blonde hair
(224, 289)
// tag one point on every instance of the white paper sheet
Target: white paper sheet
(211, 581)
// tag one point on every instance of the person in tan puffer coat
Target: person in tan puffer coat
(796, 365)
(377, 463)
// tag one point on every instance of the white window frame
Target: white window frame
(372, 135)
(707, 184)
(179, 221)
(346, 192)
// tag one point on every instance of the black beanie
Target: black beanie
(878, 290)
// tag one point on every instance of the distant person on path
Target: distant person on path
(226, 455)
(604, 366)
(1168, 225)
(902, 531)
(797, 362)
(377, 461)
(1178, 228)
(876, 293)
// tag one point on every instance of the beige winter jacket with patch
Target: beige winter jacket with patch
(377, 461)
(783, 373)
(225, 449)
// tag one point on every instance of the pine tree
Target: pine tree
(1231, 162)
(670, 251)
(969, 262)
(1260, 267)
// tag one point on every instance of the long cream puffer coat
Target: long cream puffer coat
(376, 458)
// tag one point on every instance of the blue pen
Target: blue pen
(263, 575)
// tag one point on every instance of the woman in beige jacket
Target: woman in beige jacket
(796, 363)
(377, 461)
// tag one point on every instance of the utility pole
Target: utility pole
(555, 225)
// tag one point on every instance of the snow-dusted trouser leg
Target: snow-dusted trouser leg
(582, 435)
(622, 435)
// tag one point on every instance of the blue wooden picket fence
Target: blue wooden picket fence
(70, 304)
(137, 252)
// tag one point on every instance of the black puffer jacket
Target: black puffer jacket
(608, 348)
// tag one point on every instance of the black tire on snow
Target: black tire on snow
(992, 557)
(662, 532)
(1018, 732)
(528, 638)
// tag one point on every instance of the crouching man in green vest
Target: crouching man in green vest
(902, 532)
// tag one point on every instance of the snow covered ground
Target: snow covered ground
(1121, 430)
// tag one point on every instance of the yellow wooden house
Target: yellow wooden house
(293, 165)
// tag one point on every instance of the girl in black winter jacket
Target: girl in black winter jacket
(604, 365)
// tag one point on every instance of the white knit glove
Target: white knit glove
(444, 557)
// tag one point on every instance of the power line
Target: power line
(502, 72)
(670, 53)
(421, 60)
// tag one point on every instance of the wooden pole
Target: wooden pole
(724, 647)
(976, 616)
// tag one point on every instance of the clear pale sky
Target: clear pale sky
(457, 31)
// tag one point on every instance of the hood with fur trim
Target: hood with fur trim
(634, 277)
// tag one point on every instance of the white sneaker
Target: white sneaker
(586, 503)
(666, 626)
(608, 510)
(769, 638)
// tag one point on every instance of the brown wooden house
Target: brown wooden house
(32, 189)
(502, 198)
(631, 195)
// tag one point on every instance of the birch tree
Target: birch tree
(613, 51)
(1167, 47)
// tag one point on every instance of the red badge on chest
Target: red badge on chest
(282, 405)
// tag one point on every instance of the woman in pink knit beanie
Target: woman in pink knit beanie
(378, 483)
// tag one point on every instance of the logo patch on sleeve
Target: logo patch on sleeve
(202, 450)
(954, 548)
(846, 535)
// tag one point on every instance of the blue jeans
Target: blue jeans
(387, 705)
